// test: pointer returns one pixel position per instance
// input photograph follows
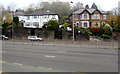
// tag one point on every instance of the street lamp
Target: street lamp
(73, 22)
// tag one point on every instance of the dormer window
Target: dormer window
(96, 16)
(85, 16)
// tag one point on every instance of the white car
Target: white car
(3, 37)
(34, 38)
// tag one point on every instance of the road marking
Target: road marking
(17, 64)
(40, 67)
(48, 56)
(2, 61)
(3, 51)
(0, 72)
(50, 68)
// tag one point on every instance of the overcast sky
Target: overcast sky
(104, 4)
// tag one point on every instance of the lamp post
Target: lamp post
(73, 22)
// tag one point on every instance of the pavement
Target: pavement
(92, 43)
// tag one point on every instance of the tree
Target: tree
(16, 20)
(115, 11)
(63, 9)
(113, 21)
(30, 8)
(46, 5)
(52, 24)
(8, 17)
(77, 6)
(105, 31)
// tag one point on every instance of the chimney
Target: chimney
(87, 6)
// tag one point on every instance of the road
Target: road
(49, 58)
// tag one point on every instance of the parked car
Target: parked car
(34, 38)
(3, 37)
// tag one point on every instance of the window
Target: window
(85, 24)
(85, 16)
(104, 16)
(28, 17)
(35, 17)
(35, 23)
(45, 16)
(53, 16)
(96, 16)
(27, 24)
(45, 23)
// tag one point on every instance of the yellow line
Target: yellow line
(0, 72)
(17, 64)
(50, 68)
(2, 61)
(40, 67)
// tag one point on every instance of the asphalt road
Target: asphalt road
(39, 58)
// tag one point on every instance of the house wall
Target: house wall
(90, 20)
(40, 19)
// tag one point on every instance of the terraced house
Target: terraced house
(88, 17)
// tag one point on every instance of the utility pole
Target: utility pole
(73, 23)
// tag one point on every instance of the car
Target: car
(3, 37)
(34, 38)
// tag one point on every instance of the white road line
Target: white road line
(48, 56)
(3, 51)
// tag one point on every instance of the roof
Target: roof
(91, 11)
(41, 12)
(19, 14)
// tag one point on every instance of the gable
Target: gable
(96, 12)
(85, 12)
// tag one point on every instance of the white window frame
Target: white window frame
(84, 15)
(36, 24)
(96, 16)
(85, 22)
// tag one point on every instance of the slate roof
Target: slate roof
(41, 12)
(18, 14)
(91, 11)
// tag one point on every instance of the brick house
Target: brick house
(88, 17)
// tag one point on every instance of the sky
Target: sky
(104, 4)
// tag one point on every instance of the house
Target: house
(88, 17)
(39, 18)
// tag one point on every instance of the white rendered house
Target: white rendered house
(39, 18)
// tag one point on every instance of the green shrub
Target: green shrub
(106, 29)
(52, 24)
(65, 25)
(106, 36)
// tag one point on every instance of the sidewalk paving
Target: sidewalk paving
(92, 43)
